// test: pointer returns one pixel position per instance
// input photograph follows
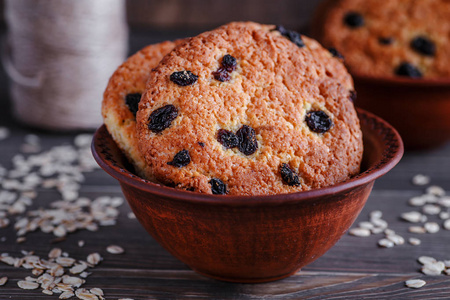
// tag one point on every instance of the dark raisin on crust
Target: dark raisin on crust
(288, 175)
(227, 138)
(293, 36)
(353, 19)
(229, 62)
(247, 140)
(181, 159)
(217, 186)
(408, 70)
(353, 95)
(162, 117)
(227, 66)
(385, 40)
(424, 46)
(183, 78)
(132, 101)
(222, 75)
(318, 121)
(335, 53)
(201, 144)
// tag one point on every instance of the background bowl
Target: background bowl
(418, 108)
(252, 238)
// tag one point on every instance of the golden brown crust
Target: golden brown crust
(275, 84)
(401, 20)
(130, 78)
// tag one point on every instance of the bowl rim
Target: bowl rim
(390, 157)
(403, 81)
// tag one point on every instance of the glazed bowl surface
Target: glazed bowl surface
(418, 108)
(252, 238)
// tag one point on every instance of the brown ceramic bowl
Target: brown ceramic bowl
(252, 238)
(418, 108)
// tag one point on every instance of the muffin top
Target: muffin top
(246, 109)
(409, 38)
(121, 99)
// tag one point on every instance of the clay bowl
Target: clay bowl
(249, 238)
(418, 108)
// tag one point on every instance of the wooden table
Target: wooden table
(355, 268)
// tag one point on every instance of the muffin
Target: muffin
(249, 109)
(388, 38)
(121, 99)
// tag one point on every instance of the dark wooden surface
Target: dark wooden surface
(355, 268)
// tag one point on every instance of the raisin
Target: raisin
(385, 40)
(353, 95)
(423, 46)
(318, 121)
(335, 53)
(201, 144)
(229, 62)
(408, 70)
(227, 66)
(227, 138)
(217, 186)
(353, 19)
(181, 159)
(288, 175)
(184, 78)
(162, 117)
(222, 75)
(247, 140)
(132, 101)
(293, 36)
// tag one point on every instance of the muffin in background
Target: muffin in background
(406, 38)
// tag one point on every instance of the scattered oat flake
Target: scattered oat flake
(21, 239)
(414, 241)
(80, 243)
(426, 260)
(85, 295)
(431, 209)
(131, 215)
(415, 283)
(54, 253)
(416, 229)
(385, 243)
(27, 285)
(366, 225)
(421, 179)
(447, 224)
(436, 191)
(66, 295)
(376, 214)
(3, 280)
(412, 216)
(47, 292)
(97, 291)
(114, 249)
(431, 227)
(94, 258)
(433, 269)
(396, 239)
(78, 268)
